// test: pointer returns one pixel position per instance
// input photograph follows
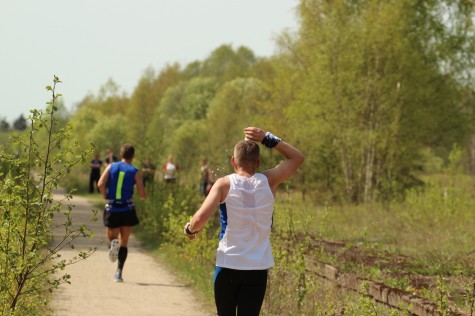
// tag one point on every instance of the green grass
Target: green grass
(5, 138)
(430, 233)
(434, 226)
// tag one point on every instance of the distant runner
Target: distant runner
(169, 170)
(117, 186)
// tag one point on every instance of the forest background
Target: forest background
(379, 95)
(373, 92)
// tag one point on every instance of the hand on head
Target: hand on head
(254, 133)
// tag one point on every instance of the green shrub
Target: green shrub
(29, 257)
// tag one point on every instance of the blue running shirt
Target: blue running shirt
(120, 188)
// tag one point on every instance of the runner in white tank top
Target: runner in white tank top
(246, 220)
(246, 203)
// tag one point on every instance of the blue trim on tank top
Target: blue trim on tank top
(223, 218)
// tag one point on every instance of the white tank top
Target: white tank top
(246, 220)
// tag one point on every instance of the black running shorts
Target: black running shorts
(118, 219)
(241, 290)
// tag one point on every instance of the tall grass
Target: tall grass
(433, 226)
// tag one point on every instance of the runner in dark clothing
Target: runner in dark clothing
(95, 174)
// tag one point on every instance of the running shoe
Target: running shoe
(114, 250)
(118, 276)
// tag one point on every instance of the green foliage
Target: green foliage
(167, 204)
(107, 134)
(143, 104)
(184, 105)
(29, 257)
(236, 105)
(365, 304)
(225, 64)
(372, 93)
(441, 296)
(4, 140)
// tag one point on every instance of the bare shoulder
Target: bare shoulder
(222, 186)
(222, 182)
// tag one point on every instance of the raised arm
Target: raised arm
(287, 168)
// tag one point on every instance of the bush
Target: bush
(29, 257)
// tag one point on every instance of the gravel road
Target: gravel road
(148, 288)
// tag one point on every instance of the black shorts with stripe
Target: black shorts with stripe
(118, 219)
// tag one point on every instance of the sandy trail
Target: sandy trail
(148, 289)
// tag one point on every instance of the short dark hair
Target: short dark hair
(127, 151)
(246, 152)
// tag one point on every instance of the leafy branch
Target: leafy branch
(28, 252)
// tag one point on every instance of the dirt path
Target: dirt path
(148, 289)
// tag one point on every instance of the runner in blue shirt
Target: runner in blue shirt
(117, 186)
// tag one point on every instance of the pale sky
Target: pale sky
(87, 42)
